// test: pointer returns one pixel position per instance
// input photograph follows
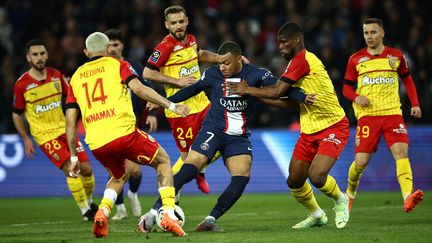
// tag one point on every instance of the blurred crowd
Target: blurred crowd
(332, 29)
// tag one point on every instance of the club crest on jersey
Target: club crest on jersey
(401, 129)
(56, 157)
(155, 56)
(392, 63)
(204, 146)
(183, 143)
(57, 86)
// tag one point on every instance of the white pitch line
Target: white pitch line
(39, 223)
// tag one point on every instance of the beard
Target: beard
(38, 66)
(179, 35)
(287, 56)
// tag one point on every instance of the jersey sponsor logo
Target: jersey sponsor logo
(234, 105)
(31, 86)
(177, 47)
(363, 59)
(155, 56)
(401, 129)
(378, 80)
(100, 115)
(50, 106)
(184, 71)
(332, 138)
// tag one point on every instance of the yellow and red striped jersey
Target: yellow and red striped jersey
(99, 88)
(175, 59)
(307, 72)
(41, 101)
(377, 78)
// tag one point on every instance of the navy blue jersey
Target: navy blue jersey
(229, 113)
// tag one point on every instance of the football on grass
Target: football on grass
(178, 212)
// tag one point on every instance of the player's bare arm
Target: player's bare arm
(280, 103)
(149, 94)
(71, 116)
(18, 121)
(156, 76)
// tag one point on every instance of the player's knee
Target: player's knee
(318, 180)
(293, 182)
(86, 169)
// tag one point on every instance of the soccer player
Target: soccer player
(99, 89)
(174, 63)
(225, 129)
(376, 70)
(115, 49)
(38, 94)
(324, 127)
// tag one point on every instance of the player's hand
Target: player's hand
(236, 88)
(182, 110)
(361, 100)
(310, 99)
(186, 81)
(416, 112)
(244, 60)
(29, 148)
(73, 169)
(151, 106)
(151, 121)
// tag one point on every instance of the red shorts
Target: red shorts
(370, 128)
(186, 129)
(330, 141)
(58, 152)
(138, 146)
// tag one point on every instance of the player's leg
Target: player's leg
(303, 193)
(87, 176)
(396, 137)
(368, 133)
(58, 153)
(239, 167)
(134, 183)
(303, 154)
(187, 173)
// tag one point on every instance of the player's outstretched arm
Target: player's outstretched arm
(277, 90)
(156, 76)
(151, 95)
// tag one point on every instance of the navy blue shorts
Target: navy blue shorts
(210, 140)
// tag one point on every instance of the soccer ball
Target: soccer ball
(178, 212)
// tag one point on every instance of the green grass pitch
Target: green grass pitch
(376, 217)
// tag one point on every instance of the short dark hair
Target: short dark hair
(174, 9)
(290, 29)
(114, 34)
(34, 42)
(229, 46)
(374, 21)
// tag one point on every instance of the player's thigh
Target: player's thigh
(395, 131)
(197, 159)
(368, 133)
(143, 149)
(239, 165)
(133, 168)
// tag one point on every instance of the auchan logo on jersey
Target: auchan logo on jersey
(50, 106)
(378, 80)
(188, 71)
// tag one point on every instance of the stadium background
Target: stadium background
(332, 30)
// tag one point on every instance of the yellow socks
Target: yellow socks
(404, 176)
(76, 188)
(304, 195)
(168, 197)
(331, 188)
(354, 175)
(177, 166)
(107, 203)
(89, 184)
